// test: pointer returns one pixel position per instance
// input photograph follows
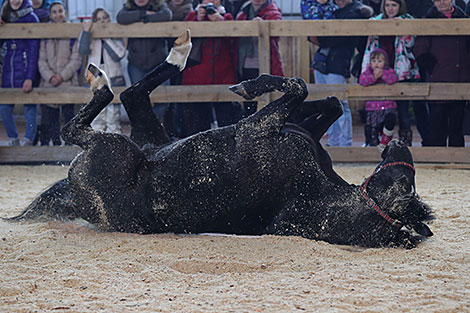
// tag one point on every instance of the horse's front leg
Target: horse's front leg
(78, 130)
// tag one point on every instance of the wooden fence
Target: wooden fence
(296, 59)
(296, 54)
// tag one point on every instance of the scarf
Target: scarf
(180, 11)
(16, 15)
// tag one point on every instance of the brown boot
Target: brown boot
(406, 136)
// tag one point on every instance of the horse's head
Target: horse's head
(392, 187)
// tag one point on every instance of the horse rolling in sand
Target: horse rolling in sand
(267, 174)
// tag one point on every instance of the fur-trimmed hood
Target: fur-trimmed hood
(153, 5)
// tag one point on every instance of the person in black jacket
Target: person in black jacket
(145, 53)
(333, 67)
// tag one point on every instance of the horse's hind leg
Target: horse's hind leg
(317, 116)
(78, 130)
(145, 126)
(275, 114)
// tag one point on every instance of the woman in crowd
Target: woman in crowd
(145, 53)
(216, 67)
(332, 65)
(106, 54)
(401, 58)
(59, 62)
(445, 59)
(20, 67)
(248, 62)
(174, 121)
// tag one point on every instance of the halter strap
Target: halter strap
(372, 203)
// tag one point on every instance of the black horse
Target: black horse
(267, 174)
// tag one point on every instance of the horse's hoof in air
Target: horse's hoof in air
(96, 78)
(180, 51)
(240, 90)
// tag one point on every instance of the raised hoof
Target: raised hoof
(240, 90)
(183, 38)
(180, 52)
(96, 78)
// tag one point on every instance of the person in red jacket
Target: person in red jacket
(248, 62)
(217, 66)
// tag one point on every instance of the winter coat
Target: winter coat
(419, 8)
(217, 61)
(21, 58)
(313, 10)
(341, 47)
(180, 11)
(405, 64)
(112, 50)
(59, 56)
(145, 53)
(388, 77)
(444, 58)
(269, 12)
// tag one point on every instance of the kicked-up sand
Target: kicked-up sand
(66, 267)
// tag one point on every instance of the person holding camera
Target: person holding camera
(215, 66)
(248, 62)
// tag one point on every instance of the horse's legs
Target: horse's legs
(317, 116)
(145, 126)
(78, 130)
(275, 114)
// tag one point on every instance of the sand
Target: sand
(66, 267)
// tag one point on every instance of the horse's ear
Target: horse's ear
(385, 152)
(422, 229)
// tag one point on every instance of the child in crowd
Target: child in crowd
(41, 9)
(19, 69)
(106, 54)
(217, 66)
(381, 115)
(318, 10)
(59, 62)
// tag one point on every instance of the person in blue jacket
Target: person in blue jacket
(20, 66)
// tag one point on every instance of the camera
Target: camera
(210, 8)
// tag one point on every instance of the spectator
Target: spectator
(174, 119)
(145, 53)
(381, 115)
(217, 67)
(41, 9)
(59, 62)
(419, 8)
(19, 69)
(179, 9)
(336, 68)
(248, 62)
(318, 10)
(445, 59)
(106, 54)
(402, 60)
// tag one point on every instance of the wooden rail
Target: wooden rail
(216, 93)
(459, 157)
(296, 61)
(246, 28)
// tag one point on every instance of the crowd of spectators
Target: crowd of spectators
(53, 63)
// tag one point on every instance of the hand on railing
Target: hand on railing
(27, 85)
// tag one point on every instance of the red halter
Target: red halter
(372, 203)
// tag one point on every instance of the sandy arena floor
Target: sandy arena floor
(69, 268)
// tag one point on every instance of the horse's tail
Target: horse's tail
(53, 204)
